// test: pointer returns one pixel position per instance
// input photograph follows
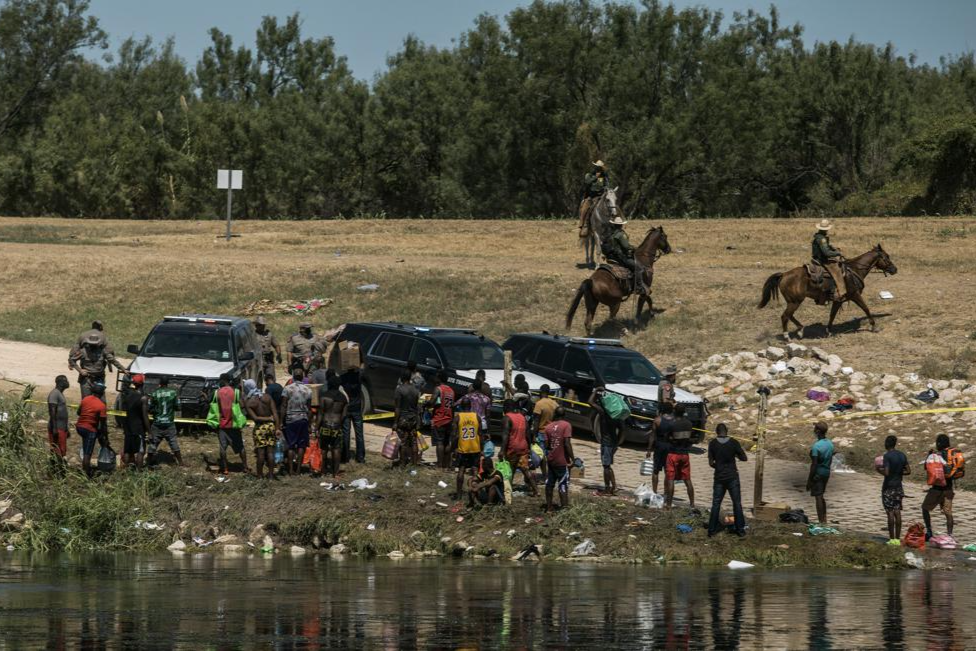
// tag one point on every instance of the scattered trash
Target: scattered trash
(797, 534)
(739, 565)
(913, 377)
(794, 516)
(221, 479)
(496, 532)
(838, 465)
(585, 548)
(226, 507)
(65, 530)
(820, 530)
(684, 528)
(971, 547)
(929, 395)
(406, 484)
(148, 526)
(362, 484)
(886, 295)
(779, 367)
(268, 306)
(371, 527)
(10, 548)
(842, 405)
(645, 496)
(371, 287)
(818, 395)
(200, 542)
(847, 370)
(914, 561)
(441, 484)
(510, 533)
(943, 541)
(413, 473)
(250, 544)
(326, 484)
(442, 505)
(459, 519)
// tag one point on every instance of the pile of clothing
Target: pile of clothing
(267, 306)
(842, 405)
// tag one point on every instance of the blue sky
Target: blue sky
(366, 31)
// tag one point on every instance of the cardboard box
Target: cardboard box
(577, 473)
(769, 511)
(349, 356)
(315, 393)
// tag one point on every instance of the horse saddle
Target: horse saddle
(821, 279)
(623, 275)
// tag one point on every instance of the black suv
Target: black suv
(580, 364)
(386, 348)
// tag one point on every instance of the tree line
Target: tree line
(696, 116)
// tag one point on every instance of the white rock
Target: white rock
(395, 555)
(797, 350)
(774, 353)
(177, 546)
(337, 550)
(227, 539)
(940, 385)
(297, 551)
(819, 353)
(949, 395)
(232, 549)
(835, 360)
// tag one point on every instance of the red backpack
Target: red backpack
(955, 464)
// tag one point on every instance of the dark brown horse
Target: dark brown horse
(795, 286)
(603, 287)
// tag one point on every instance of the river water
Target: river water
(213, 602)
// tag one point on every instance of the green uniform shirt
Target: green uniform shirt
(593, 185)
(822, 250)
(162, 406)
(619, 245)
(268, 343)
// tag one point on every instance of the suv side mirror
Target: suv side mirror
(583, 375)
(431, 361)
(132, 349)
(246, 356)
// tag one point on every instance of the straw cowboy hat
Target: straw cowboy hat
(617, 221)
(599, 164)
(824, 225)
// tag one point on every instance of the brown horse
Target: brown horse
(602, 287)
(795, 285)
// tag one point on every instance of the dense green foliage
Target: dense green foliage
(696, 115)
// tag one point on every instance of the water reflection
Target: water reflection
(202, 601)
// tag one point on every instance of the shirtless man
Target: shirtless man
(332, 411)
(260, 408)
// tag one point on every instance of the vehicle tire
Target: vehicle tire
(367, 401)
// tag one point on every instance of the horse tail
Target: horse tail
(771, 289)
(584, 287)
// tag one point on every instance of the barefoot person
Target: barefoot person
(677, 467)
(92, 425)
(658, 444)
(332, 412)
(260, 408)
(57, 423)
(135, 423)
(558, 436)
(466, 433)
(942, 493)
(821, 455)
(296, 403)
(406, 417)
(443, 404)
(227, 434)
(611, 437)
(894, 465)
(515, 443)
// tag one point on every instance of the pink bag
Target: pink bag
(391, 446)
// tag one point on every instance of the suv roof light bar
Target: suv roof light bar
(197, 319)
(595, 342)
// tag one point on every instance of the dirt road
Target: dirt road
(853, 498)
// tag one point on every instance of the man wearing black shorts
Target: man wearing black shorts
(894, 466)
(658, 444)
(442, 403)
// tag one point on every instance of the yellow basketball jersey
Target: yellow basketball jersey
(469, 428)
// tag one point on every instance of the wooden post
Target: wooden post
(507, 356)
(760, 452)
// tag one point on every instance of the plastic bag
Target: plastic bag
(280, 451)
(915, 536)
(391, 446)
(943, 541)
(615, 406)
(106, 459)
(645, 496)
(313, 456)
(585, 548)
(935, 470)
(423, 444)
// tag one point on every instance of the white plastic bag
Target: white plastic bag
(739, 565)
(362, 484)
(645, 496)
(585, 548)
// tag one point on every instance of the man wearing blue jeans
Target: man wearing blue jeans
(722, 453)
(352, 384)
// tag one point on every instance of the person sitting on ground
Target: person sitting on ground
(443, 404)
(723, 451)
(515, 443)
(611, 437)
(92, 424)
(163, 405)
(135, 423)
(487, 487)
(332, 411)
(466, 435)
(227, 434)
(941, 495)
(296, 404)
(894, 465)
(558, 436)
(821, 454)
(57, 422)
(406, 417)
(658, 444)
(260, 408)
(677, 466)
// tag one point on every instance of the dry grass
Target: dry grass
(500, 277)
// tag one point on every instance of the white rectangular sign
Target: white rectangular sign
(236, 179)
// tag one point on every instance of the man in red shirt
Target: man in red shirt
(515, 443)
(227, 434)
(443, 404)
(559, 455)
(92, 424)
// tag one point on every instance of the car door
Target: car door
(546, 360)
(577, 374)
(384, 363)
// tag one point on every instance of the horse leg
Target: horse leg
(591, 305)
(834, 308)
(864, 306)
(799, 327)
(614, 308)
(787, 317)
(640, 309)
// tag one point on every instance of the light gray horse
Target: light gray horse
(602, 212)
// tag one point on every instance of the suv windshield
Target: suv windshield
(192, 345)
(472, 354)
(624, 368)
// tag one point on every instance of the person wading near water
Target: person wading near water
(296, 404)
(332, 412)
(466, 433)
(135, 423)
(515, 443)
(270, 350)
(618, 249)
(90, 360)
(163, 404)
(677, 466)
(659, 443)
(558, 436)
(260, 408)
(830, 258)
(611, 438)
(57, 420)
(942, 493)
(894, 465)
(595, 183)
(406, 417)
(443, 404)
(722, 454)
(821, 455)
(92, 425)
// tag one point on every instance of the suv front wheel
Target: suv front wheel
(367, 401)
(596, 427)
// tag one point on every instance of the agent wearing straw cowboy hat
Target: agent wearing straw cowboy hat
(825, 254)
(617, 248)
(595, 183)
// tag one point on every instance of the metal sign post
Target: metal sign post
(230, 180)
